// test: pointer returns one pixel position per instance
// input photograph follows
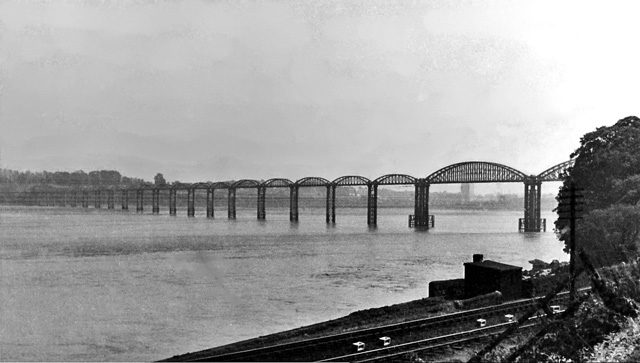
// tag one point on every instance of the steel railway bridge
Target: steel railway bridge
(464, 172)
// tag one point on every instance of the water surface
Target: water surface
(110, 285)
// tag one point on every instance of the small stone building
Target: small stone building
(483, 277)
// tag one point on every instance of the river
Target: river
(96, 285)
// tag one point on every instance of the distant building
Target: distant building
(483, 277)
(466, 190)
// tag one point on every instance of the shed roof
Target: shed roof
(493, 265)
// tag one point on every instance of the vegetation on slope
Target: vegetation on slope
(605, 325)
(607, 168)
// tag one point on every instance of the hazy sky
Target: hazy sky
(213, 90)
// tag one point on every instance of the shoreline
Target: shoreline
(361, 319)
(391, 314)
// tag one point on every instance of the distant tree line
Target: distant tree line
(97, 178)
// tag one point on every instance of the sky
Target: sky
(221, 90)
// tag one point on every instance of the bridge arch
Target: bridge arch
(476, 172)
(312, 181)
(350, 180)
(191, 198)
(277, 183)
(347, 180)
(200, 185)
(231, 197)
(245, 183)
(220, 185)
(555, 172)
(395, 179)
(182, 186)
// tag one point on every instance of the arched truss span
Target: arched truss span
(245, 183)
(277, 183)
(554, 172)
(395, 179)
(476, 172)
(180, 186)
(351, 180)
(220, 185)
(200, 186)
(312, 181)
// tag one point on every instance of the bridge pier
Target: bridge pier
(293, 203)
(97, 199)
(110, 203)
(532, 221)
(210, 196)
(172, 201)
(74, 200)
(140, 200)
(191, 202)
(155, 201)
(125, 199)
(331, 203)
(231, 204)
(372, 204)
(421, 218)
(262, 213)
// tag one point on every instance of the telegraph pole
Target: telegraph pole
(570, 208)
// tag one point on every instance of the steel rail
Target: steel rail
(424, 344)
(434, 321)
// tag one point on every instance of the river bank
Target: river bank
(542, 278)
(362, 319)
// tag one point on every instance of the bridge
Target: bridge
(464, 172)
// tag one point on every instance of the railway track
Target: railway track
(399, 334)
(396, 351)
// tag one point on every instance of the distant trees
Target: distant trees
(607, 167)
(159, 180)
(97, 178)
(104, 178)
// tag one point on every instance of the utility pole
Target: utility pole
(570, 208)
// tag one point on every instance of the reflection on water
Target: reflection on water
(112, 285)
